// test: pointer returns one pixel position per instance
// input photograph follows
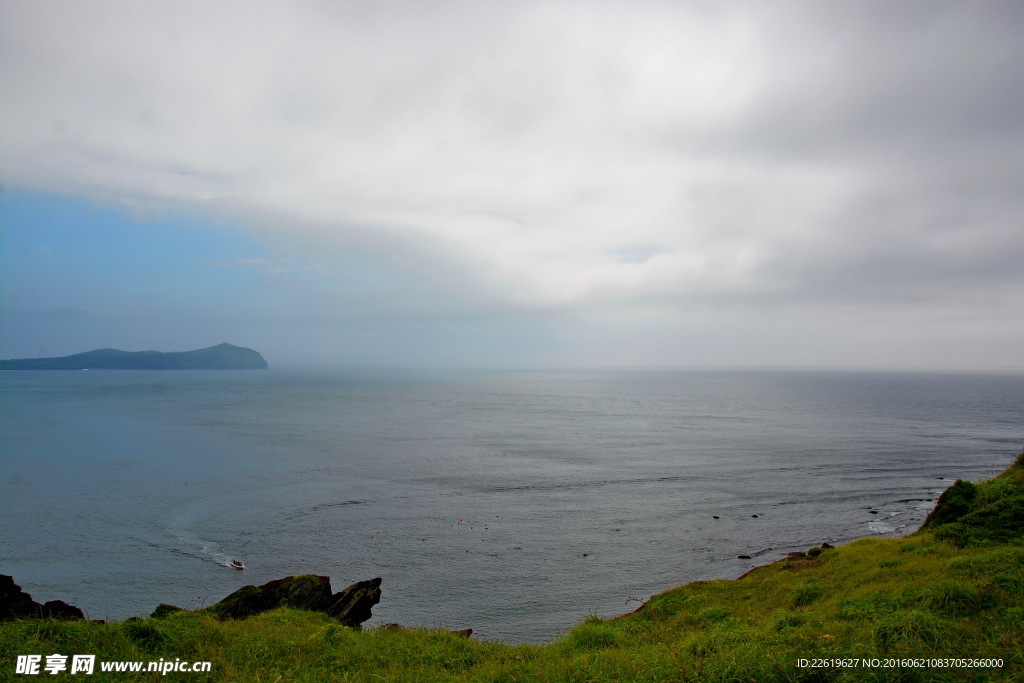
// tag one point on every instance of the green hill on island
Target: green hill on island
(220, 357)
(943, 604)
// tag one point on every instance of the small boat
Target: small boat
(235, 564)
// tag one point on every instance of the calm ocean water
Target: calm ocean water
(512, 503)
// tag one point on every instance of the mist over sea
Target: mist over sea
(513, 503)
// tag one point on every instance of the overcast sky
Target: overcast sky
(763, 183)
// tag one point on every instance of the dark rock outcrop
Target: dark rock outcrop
(306, 592)
(17, 604)
(351, 606)
(58, 609)
(163, 609)
(815, 552)
(14, 602)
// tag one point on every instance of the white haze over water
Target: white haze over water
(532, 183)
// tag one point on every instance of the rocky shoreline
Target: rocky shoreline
(17, 604)
(351, 606)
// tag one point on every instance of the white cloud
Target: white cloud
(548, 154)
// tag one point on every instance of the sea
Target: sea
(515, 503)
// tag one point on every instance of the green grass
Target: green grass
(934, 594)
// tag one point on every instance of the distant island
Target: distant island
(219, 357)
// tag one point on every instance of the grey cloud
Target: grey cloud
(553, 156)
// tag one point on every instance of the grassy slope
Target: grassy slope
(954, 589)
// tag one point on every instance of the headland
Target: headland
(219, 357)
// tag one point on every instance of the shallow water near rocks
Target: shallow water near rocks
(514, 503)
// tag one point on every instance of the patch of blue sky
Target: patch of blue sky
(68, 252)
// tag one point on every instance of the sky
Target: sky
(819, 184)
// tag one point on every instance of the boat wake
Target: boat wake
(192, 545)
(212, 550)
